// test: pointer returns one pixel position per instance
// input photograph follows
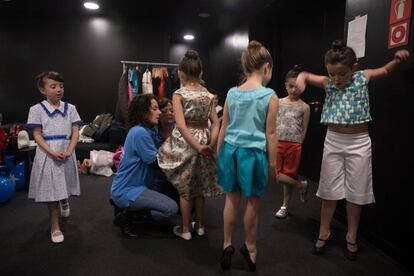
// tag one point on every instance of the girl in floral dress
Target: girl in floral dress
(186, 157)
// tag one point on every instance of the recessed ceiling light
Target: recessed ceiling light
(91, 5)
(188, 37)
(204, 14)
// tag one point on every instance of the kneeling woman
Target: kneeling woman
(136, 171)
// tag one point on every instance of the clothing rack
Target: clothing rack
(125, 62)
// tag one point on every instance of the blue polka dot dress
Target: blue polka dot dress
(51, 179)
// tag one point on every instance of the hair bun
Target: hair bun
(338, 45)
(191, 54)
(298, 68)
(254, 44)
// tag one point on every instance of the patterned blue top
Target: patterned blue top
(349, 105)
(247, 117)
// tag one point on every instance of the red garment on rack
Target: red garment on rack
(161, 87)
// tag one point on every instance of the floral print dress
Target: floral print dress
(191, 173)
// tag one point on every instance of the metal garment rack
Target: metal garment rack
(125, 62)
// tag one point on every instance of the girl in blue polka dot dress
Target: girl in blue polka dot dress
(346, 164)
(54, 175)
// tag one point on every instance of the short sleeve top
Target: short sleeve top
(349, 105)
(52, 120)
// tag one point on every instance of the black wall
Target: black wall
(87, 51)
(385, 222)
(225, 56)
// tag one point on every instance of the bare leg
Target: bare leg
(251, 218)
(230, 211)
(353, 212)
(185, 206)
(199, 209)
(287, 192)
(54, 216)
(290, 181)
(327, 211)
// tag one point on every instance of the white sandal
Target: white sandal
(178, 231)
(201, 231)
(57, 236)
(64, 208)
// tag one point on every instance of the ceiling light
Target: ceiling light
(204, 14)
(91, 5)
(188, 37)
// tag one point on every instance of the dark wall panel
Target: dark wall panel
(225, 63)
(87, 51)
(385, 222)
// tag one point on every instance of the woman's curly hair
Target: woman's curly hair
(139, 110)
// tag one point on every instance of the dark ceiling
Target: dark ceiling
(180, 16)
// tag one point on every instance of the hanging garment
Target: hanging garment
(121, 111)
(155, 85)
(139, 72)
(168, 86)
(147, 83)
(157, 72)
(175, 80)
(129, 87)
(161, 87)
(133, 82)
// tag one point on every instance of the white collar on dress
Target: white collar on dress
(51, 110)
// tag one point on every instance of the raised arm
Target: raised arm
(312, 79)
(377, 73)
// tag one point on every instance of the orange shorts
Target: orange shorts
(288, 158)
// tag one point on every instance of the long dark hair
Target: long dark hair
(139, 110)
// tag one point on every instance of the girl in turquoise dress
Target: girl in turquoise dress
(247, 149)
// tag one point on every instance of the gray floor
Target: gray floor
(93, 245)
